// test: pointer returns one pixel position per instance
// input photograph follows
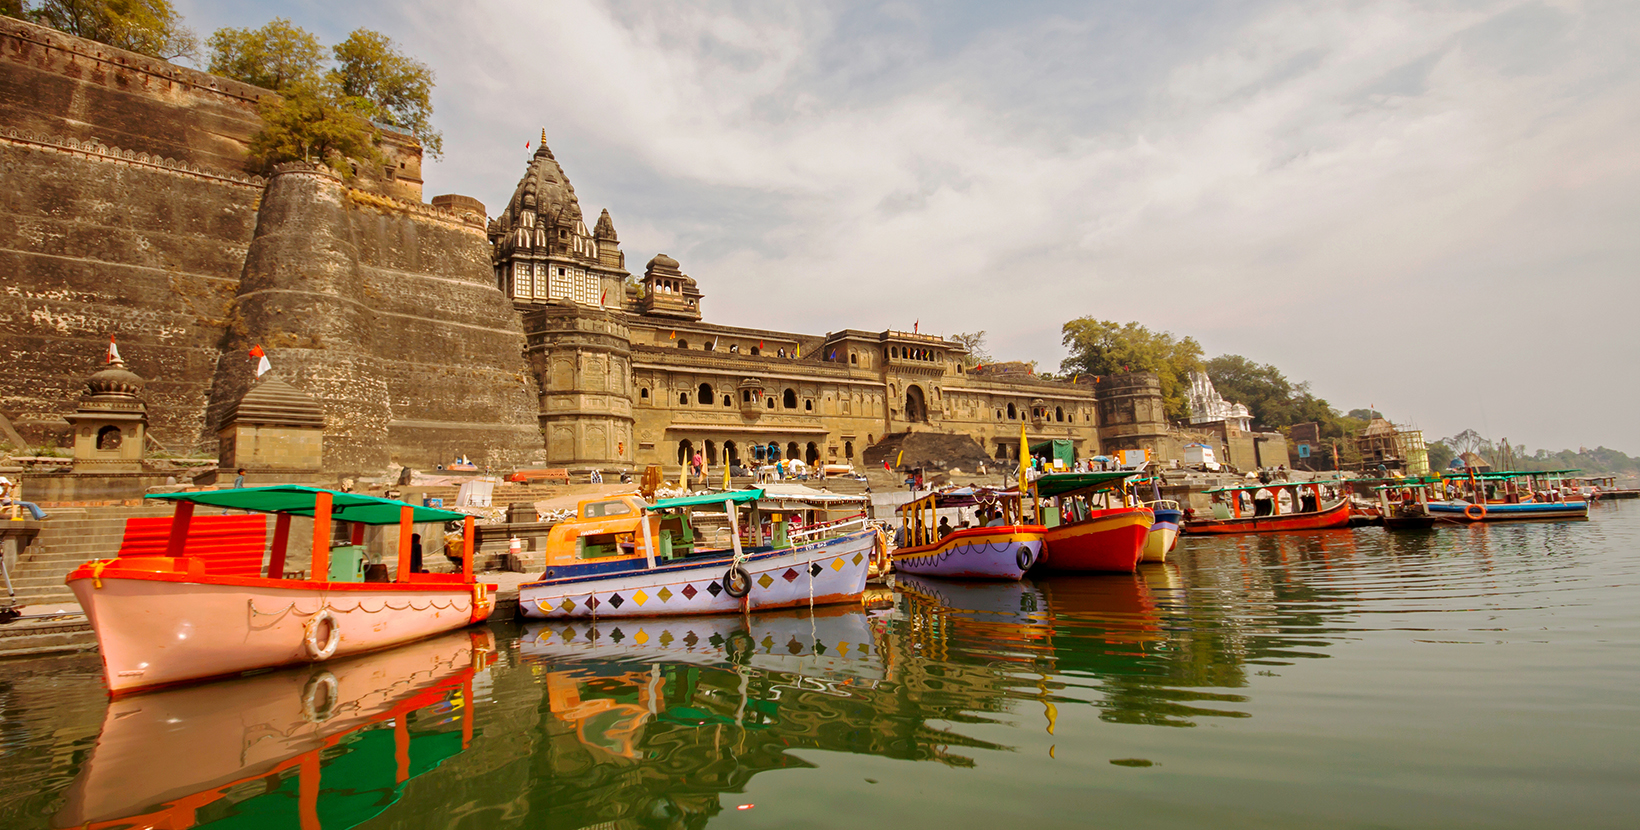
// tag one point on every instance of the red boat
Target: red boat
(1306, 510)
(1091, 523)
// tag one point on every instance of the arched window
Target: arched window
(1059, 414)
(728, 400)
(789, 399)
(999, 414)
(1012, 412)
(792, 451)
(643, 394)
(808, 405)
(854, 358)
(894, 351)
(756, 350)
(848, 449)
(108, 438)
(683, 344)
(683, 397)
(745, 396)
(770, 401)
(704, 394)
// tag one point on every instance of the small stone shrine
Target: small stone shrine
(275, 432)
(110, 426)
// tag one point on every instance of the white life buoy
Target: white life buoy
(310, 635)
(319, 697)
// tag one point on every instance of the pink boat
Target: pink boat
(188, 598)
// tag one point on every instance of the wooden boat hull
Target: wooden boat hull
(187, 747)
(1003, 552)
(828, 571)
(1528, 512)
(1111, 542)
(1336, 516)
(160, 627)
(1164, 534)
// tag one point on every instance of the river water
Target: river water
(1463, 677)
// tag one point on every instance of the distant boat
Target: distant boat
(1005, 549)
(1509, 496)
(1091, 522)
(187, 598)
(1310, 510)
(1164, 534)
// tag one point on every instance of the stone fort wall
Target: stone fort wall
(127, 210)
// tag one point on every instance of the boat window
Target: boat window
(598, 510)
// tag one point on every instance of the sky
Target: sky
(1431, 209)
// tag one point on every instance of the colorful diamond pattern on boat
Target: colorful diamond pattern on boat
(837, 564)
(666, 638)
(616, 636)
(765, 580)
(789, 575)
(691, 640)
(640, 598)
(814, 569)
(641, 637)
(689, 592)
(664, 594)
(615, 600)
(568, 605)
(857, 558)
(592, 602)
(714, 589)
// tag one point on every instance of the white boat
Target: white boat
(188, 597)
(622, 557)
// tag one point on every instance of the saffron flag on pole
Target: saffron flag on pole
(1024, 453)
(262, 364)
(899, 458)
(113, 351)
(603, 298)
(674, 334)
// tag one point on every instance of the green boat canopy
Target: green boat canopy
(1463, 474)
(1058, 484)
(297, 500)
(736, 496)
(1280, 485)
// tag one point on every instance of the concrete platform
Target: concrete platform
(48, 628)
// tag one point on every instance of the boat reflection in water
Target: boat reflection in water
(260, 749)
(647, 725)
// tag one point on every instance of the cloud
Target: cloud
(1427, 207)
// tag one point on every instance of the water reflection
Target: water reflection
(665, 723)
(290, 748)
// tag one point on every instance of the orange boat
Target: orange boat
(1308, 510)
(1088, 528)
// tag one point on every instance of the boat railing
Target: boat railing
(828, 528)
(1161, 504)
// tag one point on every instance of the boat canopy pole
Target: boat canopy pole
(281, 544)
(467, 544)
(648, 541)
(734, 526)
(321, 537)
(405, 513)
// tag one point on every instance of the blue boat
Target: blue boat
(1476, 495)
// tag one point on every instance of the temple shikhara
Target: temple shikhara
(631, 373)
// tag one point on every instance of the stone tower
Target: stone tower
(111, 421)
(541, 247)
(385, 313)
(1132, 414)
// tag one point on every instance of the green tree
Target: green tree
(1364, 414)
(1440, 455)
(1274, 400)
(974, 342)
(150, 27)
(272, 57)
(398, 88)
(11, 8)
(1103, 347)
(312, 121)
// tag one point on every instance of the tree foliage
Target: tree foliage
(974, 342)
(274, 57)
(312, 121)
(398, 88)
(1364, 414)
(1274, 400)
(149, 27)
(1104, 347)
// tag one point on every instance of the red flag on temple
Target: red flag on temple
(113, 350)
(262, 364)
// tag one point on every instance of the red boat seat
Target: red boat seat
(228, 545)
